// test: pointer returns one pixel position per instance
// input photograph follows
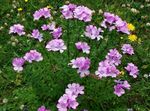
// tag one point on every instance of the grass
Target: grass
(44, 82)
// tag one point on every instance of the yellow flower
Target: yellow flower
(20, 9)
(132, 38)
(26, 0)
(131, 27)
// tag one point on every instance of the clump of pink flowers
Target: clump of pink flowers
(33, 55)
(132, 69)
(57, 32)
(113, 21)
(30, 56)
(93, 32)
(69, 99)
(37, 35)
(106, 69)
(56, 45)
(42, 108)
(127, 49)
(51, 26)
(18, 64)
(119, 88)
(82, 64)
(68, 11)
(83, 46)
(83, 13)
(79, 12)
(43, 12)
(114, 57)
(17, 29)
(75, 89)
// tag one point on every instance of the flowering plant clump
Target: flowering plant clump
(33, 55)
(68, 11)
(49, 27)
(119, 88)
(56, 45)
(57, 32)
(106, 69)
(17, 29)
(127, 49)
(30, 56)
(93, 32)
(110, 68)
(82, 64)
(83, 46)
(132, 69)
(69, 99)
(36, 34)
(18, 64)
(113, 21)
(43, 12)
(114, 57)
(79, 12)
(83, 13)
(75, 89)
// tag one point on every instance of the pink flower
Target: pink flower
(17, 29)
(67, 101)
(56, 45)
(106, 69)
(113, 21)
(67, 11)
(50, 26)
(122, 26)
(44, 27)
(83, 46)
(37, 35)
(33, 55)
(119, 89)
(83, 13)
(57, 32)
(127, 49)
(75, 89)
(42, 108)
(43, 12)
(82, 64)
(18, 64)
(132, 69)
(93, 32)
(114, 57)
(110, 18)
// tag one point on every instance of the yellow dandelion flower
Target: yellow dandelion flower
(20, 9)
(131, 27)
(26, 0)
(132, 38)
